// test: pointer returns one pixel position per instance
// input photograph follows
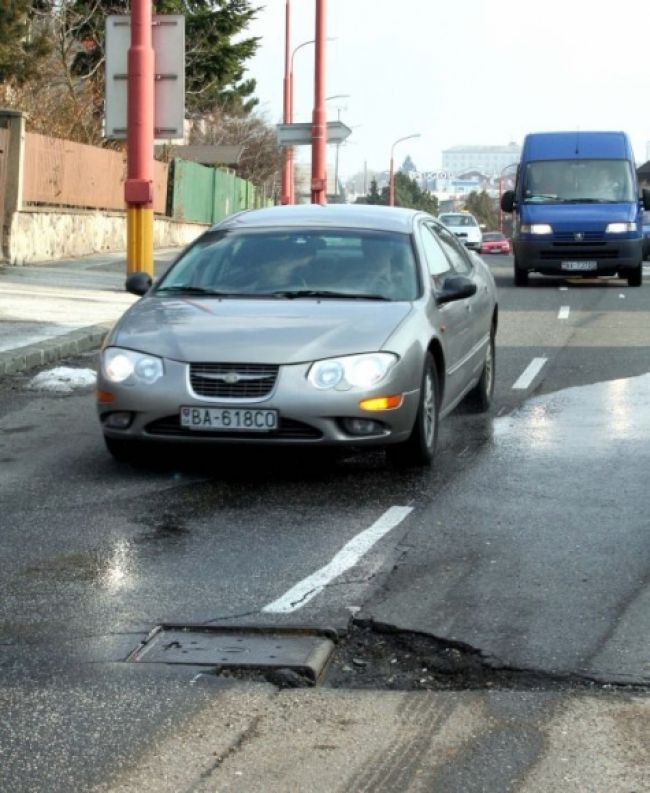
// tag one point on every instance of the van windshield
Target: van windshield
(578, 182)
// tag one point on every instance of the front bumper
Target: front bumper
(307, 416)
(612, 257)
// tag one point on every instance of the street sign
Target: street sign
(300, 134)
(168, 34)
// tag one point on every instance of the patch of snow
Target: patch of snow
(63, 380)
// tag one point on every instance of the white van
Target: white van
(465, 226)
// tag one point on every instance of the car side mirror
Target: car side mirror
(646, 198)
(138, 283)
(508, 201)
(455, 287)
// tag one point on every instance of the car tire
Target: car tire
(635, 277)
(420, 447)
(521, 276)
(479, 399)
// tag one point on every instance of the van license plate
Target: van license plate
(579, 265)
(229, 419)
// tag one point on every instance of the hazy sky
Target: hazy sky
(461, 72)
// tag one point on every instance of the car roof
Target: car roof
(379, 218)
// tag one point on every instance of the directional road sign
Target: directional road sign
(300, 134)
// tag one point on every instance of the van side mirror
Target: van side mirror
(508, 201)
(645, 198)
(138, 283)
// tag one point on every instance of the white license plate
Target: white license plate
(579, 265)
(229, 419)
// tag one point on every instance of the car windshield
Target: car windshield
(458, 220)
(493, 236)
(578, 181)
(297, 263)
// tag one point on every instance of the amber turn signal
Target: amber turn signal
(381, 403)
(104, 396)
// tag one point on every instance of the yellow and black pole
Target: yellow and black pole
(138, 188)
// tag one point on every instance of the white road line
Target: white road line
(347, 557)
(564, 289)
(564, 312)
(530, 373)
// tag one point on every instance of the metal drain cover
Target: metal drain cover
(230, 648)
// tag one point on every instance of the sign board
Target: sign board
(168, 34)
(300, 134)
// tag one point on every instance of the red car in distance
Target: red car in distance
(495, 242)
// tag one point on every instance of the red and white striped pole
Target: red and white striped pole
(138, 188)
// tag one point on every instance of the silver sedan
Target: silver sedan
(336, 325)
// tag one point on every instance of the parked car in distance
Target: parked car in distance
(465, 226)
(338, 325)
(495, 242)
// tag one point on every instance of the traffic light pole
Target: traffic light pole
(319, 118)
(138, 188)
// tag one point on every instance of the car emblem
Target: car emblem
(578, 236)
(231, 378)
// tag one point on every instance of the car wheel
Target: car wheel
(635, 277)
(521, 276)
(123, 450)
(419, 449)
(480, 397)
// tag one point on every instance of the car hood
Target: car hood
(587, 217)
(263, 331)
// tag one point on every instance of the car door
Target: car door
(478, 307)
(451, 319)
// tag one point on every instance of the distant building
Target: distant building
(485, 159)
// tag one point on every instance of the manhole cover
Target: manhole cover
(231, 648)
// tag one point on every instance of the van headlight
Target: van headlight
(620, 228)
(351, 371)
(536, 228)
(129, 367)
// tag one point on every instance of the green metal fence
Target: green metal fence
(206, 195)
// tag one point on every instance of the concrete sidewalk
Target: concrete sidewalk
(53, 310)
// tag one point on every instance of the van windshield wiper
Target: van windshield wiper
(294, 293)
(588, 201)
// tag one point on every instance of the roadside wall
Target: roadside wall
(43, 234)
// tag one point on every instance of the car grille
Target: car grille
(578, 251)
(233, 380)
(287, 430)
(588, 236)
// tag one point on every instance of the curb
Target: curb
(22, 359)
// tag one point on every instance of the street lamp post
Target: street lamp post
(338, 145)
(291, 188)
(391, 181)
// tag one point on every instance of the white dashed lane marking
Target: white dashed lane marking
(563, 313)
(529, 373)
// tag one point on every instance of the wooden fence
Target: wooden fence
(67, 174)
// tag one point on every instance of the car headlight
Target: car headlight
(619, 228)
(128, 367)
(351, 371)
(536, 228)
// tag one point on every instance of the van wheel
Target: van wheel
(419, 449)
(521, 276)
(635, 278)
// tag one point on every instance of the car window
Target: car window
(267, 262)
(455, 252)
(437, 263)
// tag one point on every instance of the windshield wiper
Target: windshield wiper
(291, 294)
(588, 201)
(201, 290)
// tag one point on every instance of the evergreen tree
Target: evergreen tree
(21, 47)
(409, 194)
(215, 50)
(483, 208)
(408, 166)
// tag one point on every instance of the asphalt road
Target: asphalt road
(526, 546)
